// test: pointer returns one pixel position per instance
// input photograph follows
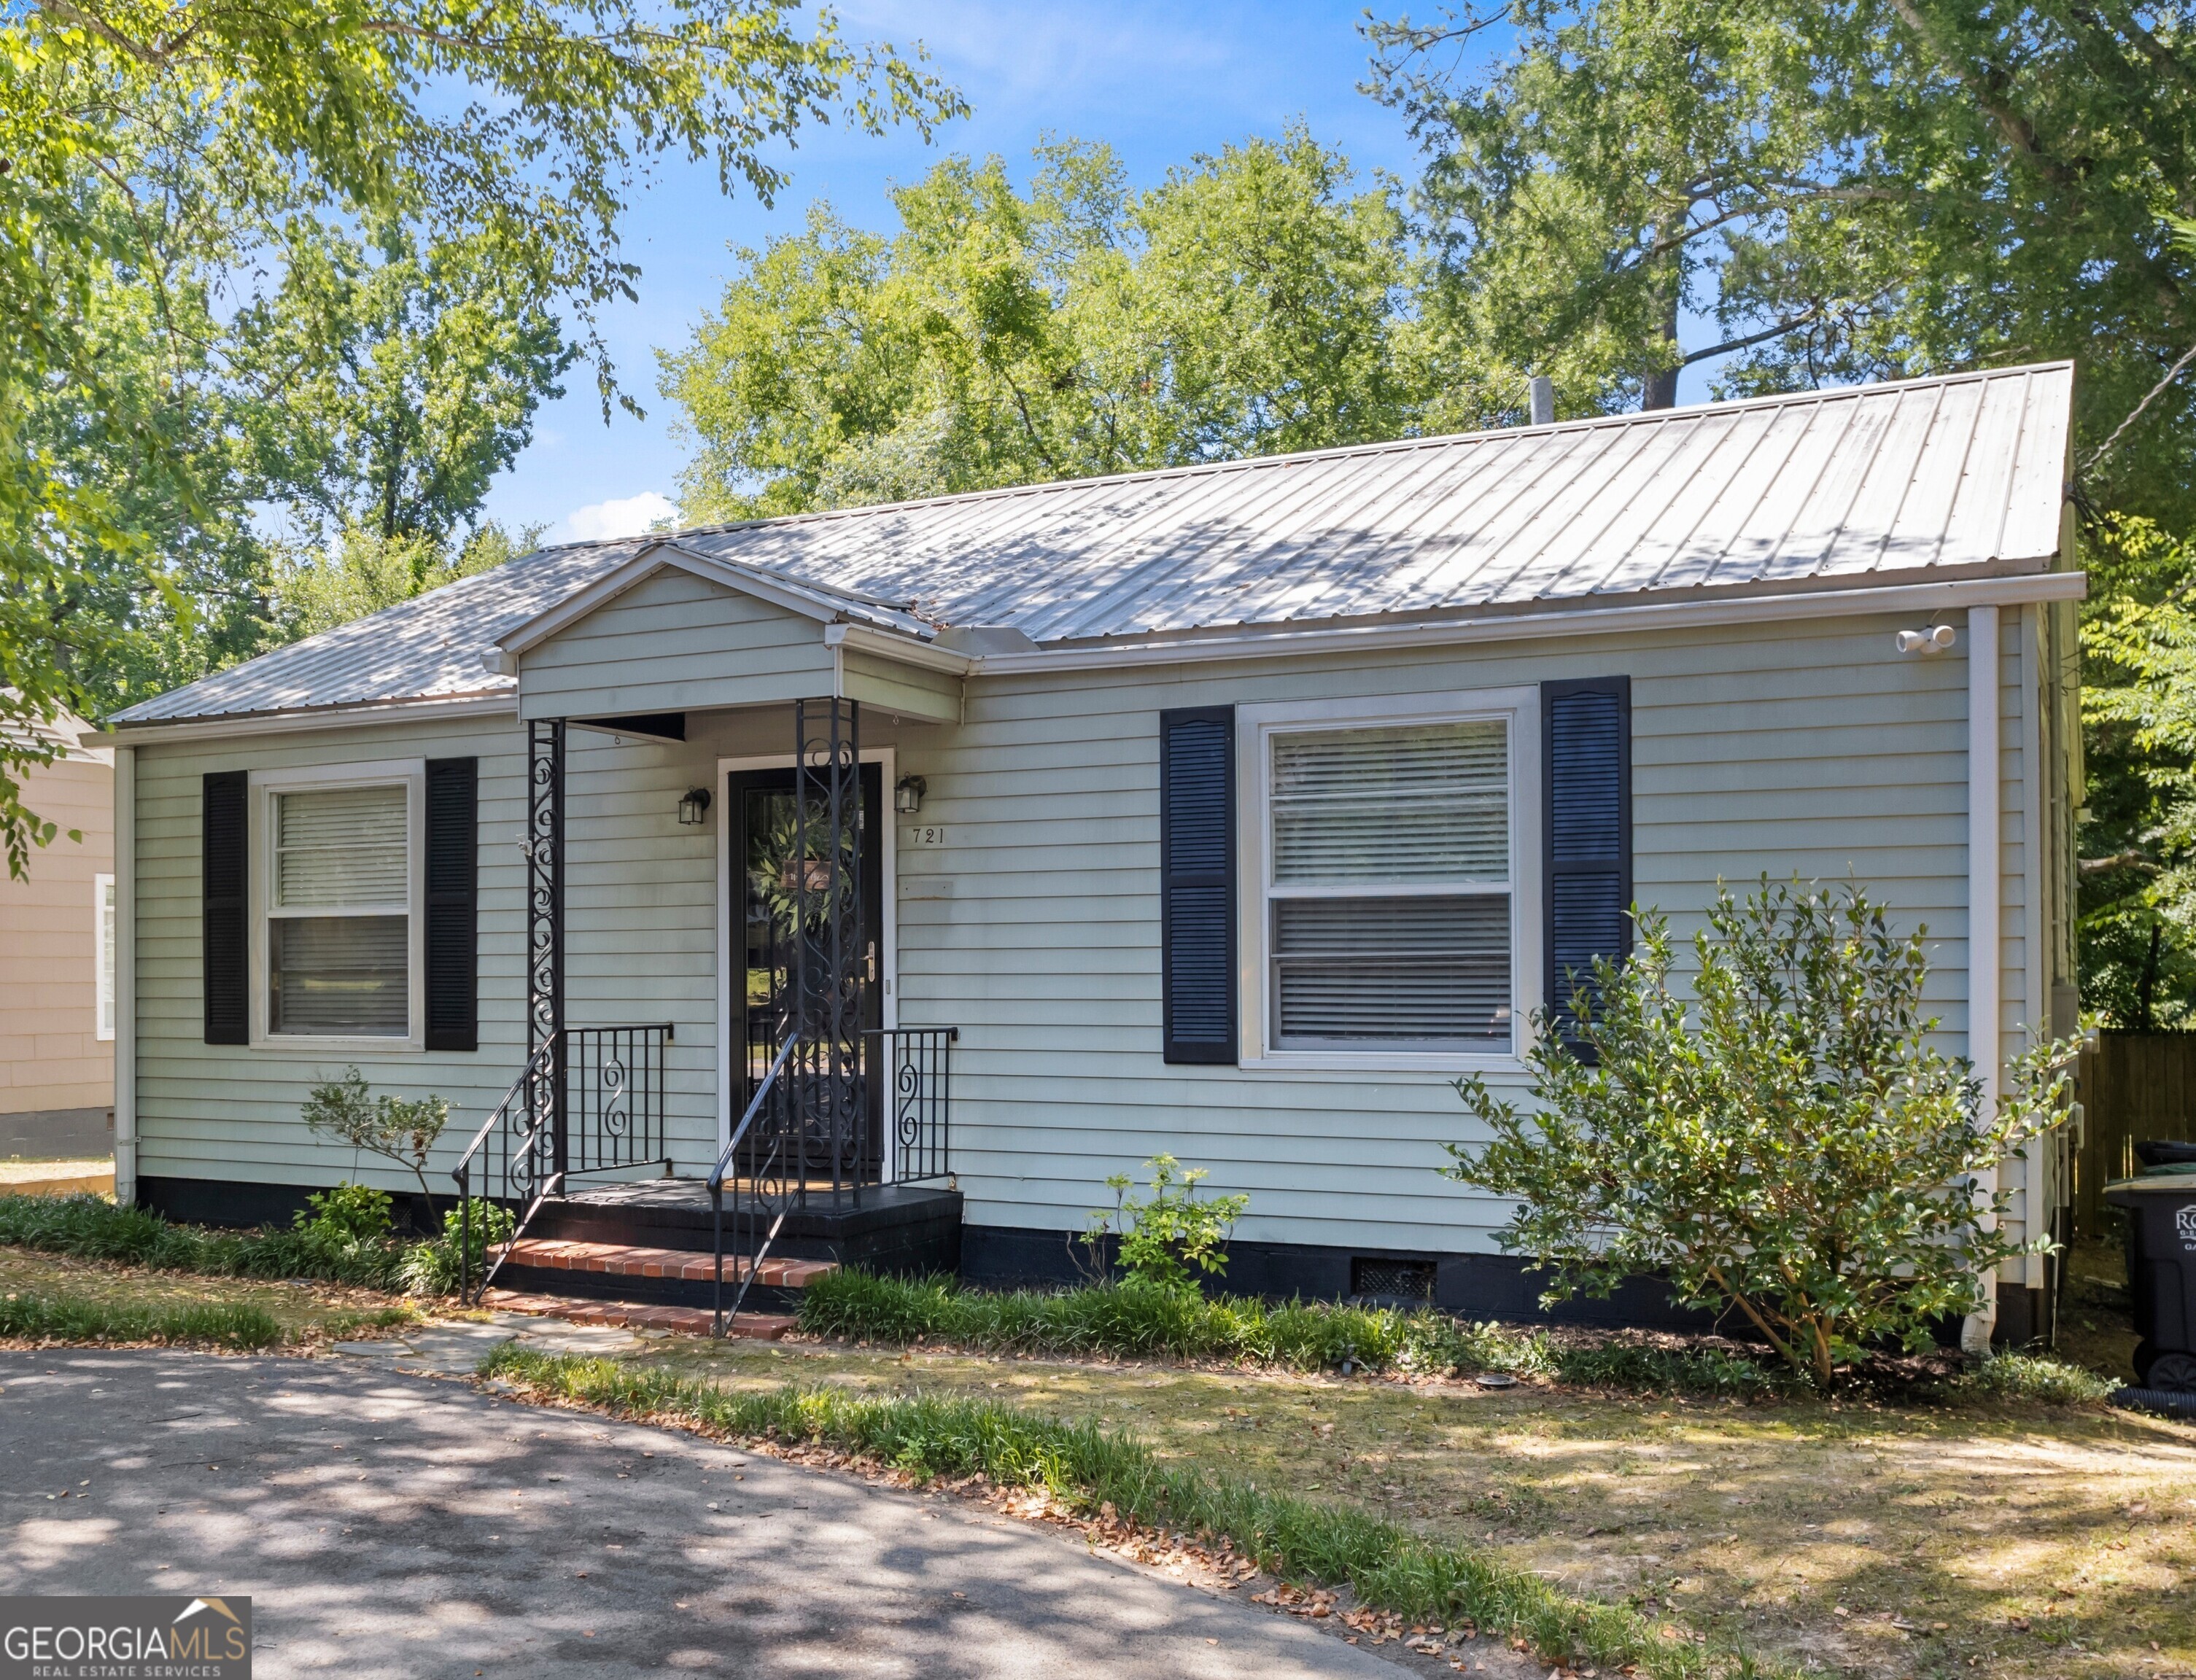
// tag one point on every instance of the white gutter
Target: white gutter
(2038, 1170)
(1904, 599)
(1983, 950)
(1915, 599)
(324, 716)
(903, 650)
(125, 976)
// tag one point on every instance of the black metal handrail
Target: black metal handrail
(590, 1099)
(913, 1069)
(765, 1187)
(523, 1166)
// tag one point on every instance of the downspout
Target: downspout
(125, 976)
(1983, 942)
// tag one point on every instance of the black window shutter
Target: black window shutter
(453, 904)
(223, 874)
(1197, 882)
(1586, 728)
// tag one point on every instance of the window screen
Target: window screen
(338, 936)
(1388, 894)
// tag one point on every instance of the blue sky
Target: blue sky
(1158, 82)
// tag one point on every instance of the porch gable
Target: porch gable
(671, 640)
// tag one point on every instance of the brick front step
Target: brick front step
(686, 1320)
(622, 1260)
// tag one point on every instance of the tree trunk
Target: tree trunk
(2146, 984)
(1660, 389)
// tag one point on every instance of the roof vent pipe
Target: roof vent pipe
(1541, 393)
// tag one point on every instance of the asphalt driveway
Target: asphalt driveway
(389, 1524)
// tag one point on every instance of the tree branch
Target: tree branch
(1753, 338)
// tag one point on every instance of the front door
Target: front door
(764, 888)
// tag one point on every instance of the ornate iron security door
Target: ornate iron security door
(810, 935)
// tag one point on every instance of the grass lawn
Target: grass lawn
(308, 1313)
(2013, 1539)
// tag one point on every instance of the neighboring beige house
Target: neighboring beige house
(57, 961)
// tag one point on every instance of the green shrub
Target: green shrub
(397, 1128)
(349, 1213)
(1135, 1319)
(1167, 1239)
(65, 1318)
(1787, 1143)
(91, 1228)
(433, 1268)
(2032, 1376)
(1087, 1468)
(1677, 1370)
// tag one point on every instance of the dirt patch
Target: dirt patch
(2025, 1541)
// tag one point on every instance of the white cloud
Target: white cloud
(629, 516)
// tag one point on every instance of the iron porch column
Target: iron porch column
(545, 923)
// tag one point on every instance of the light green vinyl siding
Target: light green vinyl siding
(1808, 748)
(675, 643)
(640, 908)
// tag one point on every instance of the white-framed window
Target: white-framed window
(338, 889)
(102, 920)
(1391, 904)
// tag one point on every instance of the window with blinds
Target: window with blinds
(1388, 887)
(338, 933)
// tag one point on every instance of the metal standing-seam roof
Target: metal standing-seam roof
(1961, 475)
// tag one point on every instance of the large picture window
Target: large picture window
(1389, 892)
(338, 905)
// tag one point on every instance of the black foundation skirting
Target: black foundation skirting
(237, 1205)
(1472, 1285)
(909, 1241)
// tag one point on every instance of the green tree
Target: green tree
(1619, 190)
(361, 571)
(408, 377)
(163, 159)
(2138, 884)
(1253, 301)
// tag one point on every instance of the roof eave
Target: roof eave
(1993, 587)
(273, 720)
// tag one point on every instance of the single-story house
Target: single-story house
(967, 850)
(57, 925)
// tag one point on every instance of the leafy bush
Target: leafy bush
(433, 1268)
(1160, 1239)
(349, 1213)
(92, 1228)
(1677, 1370)
(65, 1317)
(2032, 1376)
(399, 1130)
(1135, 1319)
(1791, 1146)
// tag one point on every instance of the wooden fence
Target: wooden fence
(2133, 1087)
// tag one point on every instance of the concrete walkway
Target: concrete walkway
(384, 1523)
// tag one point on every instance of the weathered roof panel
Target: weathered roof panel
(1865, 483)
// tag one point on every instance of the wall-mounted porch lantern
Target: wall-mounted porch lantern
(907, 794)
(694, 809)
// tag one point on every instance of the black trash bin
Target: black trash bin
(2161, 1261)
